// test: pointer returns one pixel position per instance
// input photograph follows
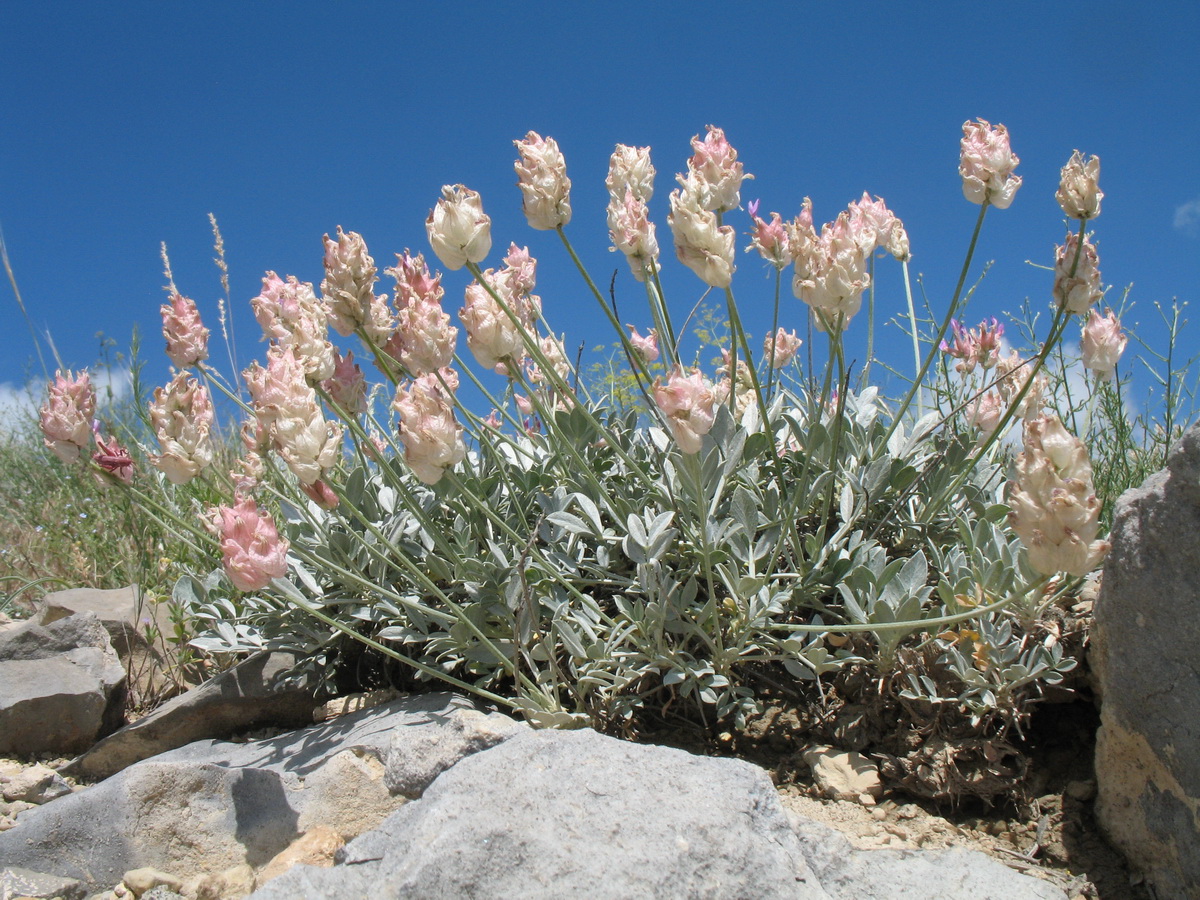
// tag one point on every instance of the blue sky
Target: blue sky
(124, 125)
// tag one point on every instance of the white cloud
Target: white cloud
(19, 404)
(1187, 218)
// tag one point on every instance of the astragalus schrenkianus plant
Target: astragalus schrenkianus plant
(763, 532)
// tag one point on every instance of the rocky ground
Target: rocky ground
(1052, 836)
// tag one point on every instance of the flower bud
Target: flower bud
(1102, 343)
(689, 405)
(986, 163)
(187, 339)
(1079, 193)
(459, 230)
(633, 233)
(1077, 292)
(252, 552)
(66, 417)
(542, 178)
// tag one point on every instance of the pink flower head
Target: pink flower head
(629, 171)
(986, 163)
(348, 288)
(1054, 508)
(700, 243)
(424, 338)
(347, 387)
(291, 316)
(187, 339)
(524, 404)
(113, 459)
(831, 274)
(689, 405)
(252, 552)
(1077, 285)
(770, 239)
(491, 335)
(633, 233)
(979, 346)
(432, 437)
(521, 268)
(646, 347)
(542, 178)
(414, 282)
(1102, 343)
(459, 230)
(182, 417)
(66, 416)
(1079, 192)
(873, 225)
(781, 348)
(493, 419)
(714, 172)
(1014, 374)
(989, 334)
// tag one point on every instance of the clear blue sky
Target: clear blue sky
(123, 125)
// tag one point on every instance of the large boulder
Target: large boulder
(554, 814)
(1146, 654)
(62, 687)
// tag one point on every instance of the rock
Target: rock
(123, 612)
(37, 784)
(140, 881)
(128, 615)
(316, 847)
(216, 805)
(62, 687)
(1146, 656)
(15, 882)
(574, 814)
(844, 776)
(162, 893)
(421, 752)
(956, 874)
(251, 695)
(232, 884)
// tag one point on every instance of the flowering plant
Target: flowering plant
(579, 561)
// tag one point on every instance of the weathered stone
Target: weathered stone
(316, 847)
(62, 687)
(36, 784)
(251, 695)
(139, 881)
(1146, 655)
(214, 805)
(232, 884)
(844, 776)
(574, 814)
(956, 874)
(422, 751)
(16, 882)
(123, 612)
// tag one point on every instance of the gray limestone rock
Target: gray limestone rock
(1146, 654)
(217, 805)
(62, 687)
(250, 695)
(574, 814)
(18, 882)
